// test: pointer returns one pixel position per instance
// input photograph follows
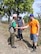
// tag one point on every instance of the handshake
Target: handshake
(19, 28)
(22, 27)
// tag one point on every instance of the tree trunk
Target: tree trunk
(9, 13)
(9, 19)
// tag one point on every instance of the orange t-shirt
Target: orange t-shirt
(33, 26)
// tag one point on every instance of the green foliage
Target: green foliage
(23, 5)
(2, 13)
(1, 10)
(39, 19)
(18, 6)
(26, 19)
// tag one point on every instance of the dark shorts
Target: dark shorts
(34, 37)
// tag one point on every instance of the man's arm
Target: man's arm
(38, 26)
(22, 27)
(23, 22)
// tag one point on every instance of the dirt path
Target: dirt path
(23, 47)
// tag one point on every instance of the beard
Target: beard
(30, 19)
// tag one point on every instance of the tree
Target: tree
(1, 9)
(26, 18)
(19, 6)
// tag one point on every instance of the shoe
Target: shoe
(21, 39)
(34, 48)
(9, 43)
(13, 46)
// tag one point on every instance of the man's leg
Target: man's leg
(18, 34)
(34, 46)
(31, 36)
(35, 40)
(21, 36)
(10, 38)
(13, 40)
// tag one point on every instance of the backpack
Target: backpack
(11, 30)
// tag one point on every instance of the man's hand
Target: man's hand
(22, 27)
(17, 28)
(37, 34)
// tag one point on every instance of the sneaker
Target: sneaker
(9, 43)
(13, 46)
(21, 39)
(34, 48)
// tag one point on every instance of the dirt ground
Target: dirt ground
(22, 47)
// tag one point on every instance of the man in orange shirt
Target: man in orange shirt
(34, 30)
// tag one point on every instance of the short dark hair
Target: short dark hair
(20, 17)
(13, 17)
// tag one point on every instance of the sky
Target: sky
(36, 7)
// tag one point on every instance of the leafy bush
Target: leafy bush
(2, 13)
(26, 19)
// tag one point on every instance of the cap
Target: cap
(31, 15)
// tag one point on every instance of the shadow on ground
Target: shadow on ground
(28, 44)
